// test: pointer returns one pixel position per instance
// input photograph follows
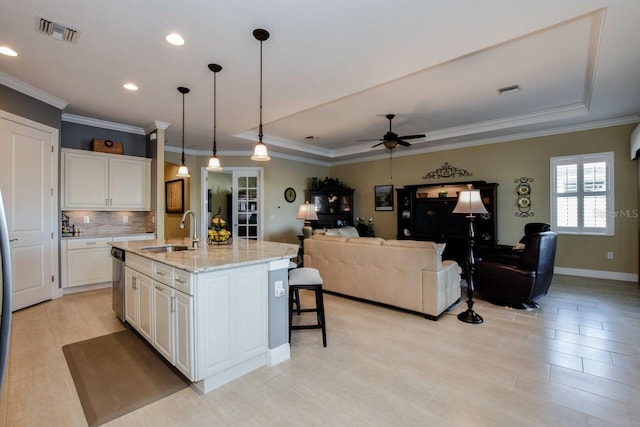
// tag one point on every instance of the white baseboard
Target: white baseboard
(278, 355)
(596, 274)
(76, 289)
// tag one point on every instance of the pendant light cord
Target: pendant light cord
(183, 129)
(214, 114)
(260, 126)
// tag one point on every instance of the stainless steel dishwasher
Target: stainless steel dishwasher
(117, 282)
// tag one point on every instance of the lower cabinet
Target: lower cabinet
(85, 262)
(132, 302)
(227, 315)
(161, 314)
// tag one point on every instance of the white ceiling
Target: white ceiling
(333, 69)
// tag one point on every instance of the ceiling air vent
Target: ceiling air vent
(57, 31)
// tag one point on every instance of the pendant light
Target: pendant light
(183, 171)
(260, 152)
(214, 162)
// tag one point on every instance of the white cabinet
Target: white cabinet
(163, 314)
(230, 315)
(163, 320)
(183, 305)
(132, 303)
(85, 262)
(100, 181)
(146, 326)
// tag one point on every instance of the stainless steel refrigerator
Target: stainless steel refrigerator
(5, 292)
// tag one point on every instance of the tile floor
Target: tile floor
(573, 362)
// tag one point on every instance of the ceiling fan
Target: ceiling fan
(391, 139)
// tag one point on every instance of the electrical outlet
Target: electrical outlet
(279, 288)
(125, 219)
(610, 255)
(86, 219)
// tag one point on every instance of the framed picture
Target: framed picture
(174, 195)
(383, 196)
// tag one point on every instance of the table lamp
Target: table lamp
(307, 212)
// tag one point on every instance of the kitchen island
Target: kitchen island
(216, 312)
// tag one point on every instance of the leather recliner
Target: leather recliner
(517, 281)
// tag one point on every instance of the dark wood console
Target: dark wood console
(425, 213)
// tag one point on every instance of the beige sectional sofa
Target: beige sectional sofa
(402, 273)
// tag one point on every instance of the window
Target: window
(582, 194)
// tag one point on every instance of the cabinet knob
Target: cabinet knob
(179, 280)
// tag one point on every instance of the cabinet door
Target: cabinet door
(88, 266)
(85, 181)
(249, 326)
(163, 320)
(183, 305)
(129, 184)
(145, 313)
(131, 302)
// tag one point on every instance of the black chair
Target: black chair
(508, 254)
(520, 279)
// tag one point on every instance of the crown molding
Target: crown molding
(81, 120)
(495, 140)
(32, 91)
(247, 153)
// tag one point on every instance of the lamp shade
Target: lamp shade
(470, 202)
(260, 153)
(307, 212)
(214, 164)
(183, 172)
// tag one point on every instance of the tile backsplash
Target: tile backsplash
(109, 223)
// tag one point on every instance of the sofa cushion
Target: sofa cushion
(416, 244)
(329, 238)
(375, 241)
(342, 231)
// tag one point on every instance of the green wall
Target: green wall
(503, 163)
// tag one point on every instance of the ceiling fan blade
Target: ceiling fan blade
(380, 143)
(403, 143)
(412, 136)
(369, 140)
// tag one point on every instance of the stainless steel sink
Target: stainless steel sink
(164, 248)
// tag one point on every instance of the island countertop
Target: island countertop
(206, 258)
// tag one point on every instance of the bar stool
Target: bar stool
(306, 278)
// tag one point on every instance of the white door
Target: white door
(29, 183)
(247, 204)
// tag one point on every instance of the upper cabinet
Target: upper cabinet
(105, 182)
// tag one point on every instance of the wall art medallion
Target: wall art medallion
(523, 190)
(447, 171)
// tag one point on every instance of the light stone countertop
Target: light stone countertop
(239, 252)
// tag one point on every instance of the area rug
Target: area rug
(118, 373)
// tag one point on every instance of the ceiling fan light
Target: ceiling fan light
(183, 172)
(214, 164)
(260, 153)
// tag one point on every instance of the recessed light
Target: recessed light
(8, 51)
(174, 39)
(509, 89)
(130, 86)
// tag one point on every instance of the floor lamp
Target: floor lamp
(470, 203)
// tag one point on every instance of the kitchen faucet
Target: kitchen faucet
(194, 225)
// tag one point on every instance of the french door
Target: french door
(247, 204)
(29, 183)
(247, 211)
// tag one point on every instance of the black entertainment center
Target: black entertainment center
(425, 212)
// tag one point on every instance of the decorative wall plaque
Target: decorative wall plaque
(523, 189)
(446, 171)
